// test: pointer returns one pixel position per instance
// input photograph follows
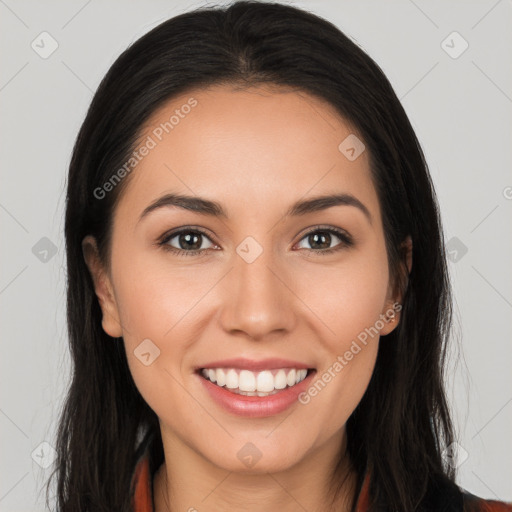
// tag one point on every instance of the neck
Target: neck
(186, 481)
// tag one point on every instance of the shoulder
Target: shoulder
(473, 503)
(444, 495)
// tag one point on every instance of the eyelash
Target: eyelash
(346, 241)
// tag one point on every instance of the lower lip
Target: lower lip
(256, 406)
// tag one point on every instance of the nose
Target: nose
(258, 298)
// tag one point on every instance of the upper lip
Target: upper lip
(253, 365)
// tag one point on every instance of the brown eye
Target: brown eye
(320, 240)
(188, 241)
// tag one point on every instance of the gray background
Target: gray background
(461, 111)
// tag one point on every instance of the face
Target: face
(266, 280)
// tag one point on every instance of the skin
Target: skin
(256, 151)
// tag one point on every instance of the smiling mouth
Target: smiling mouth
(249, 383)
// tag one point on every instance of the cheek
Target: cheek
(161, 310)
(154, 297)
(346, 298)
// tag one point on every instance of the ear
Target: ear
(103, 288)
(393, 307)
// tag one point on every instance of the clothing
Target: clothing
(439, 500)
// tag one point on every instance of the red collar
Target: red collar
(143, 487)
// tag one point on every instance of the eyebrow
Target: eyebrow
(214, 209)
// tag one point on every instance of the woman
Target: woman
(258, 299)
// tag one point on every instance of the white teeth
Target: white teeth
(232, 379)
(280, 380)
(221, 377)
(247, 381)
(265, 381)
(250, 383)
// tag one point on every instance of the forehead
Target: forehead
(253, 147)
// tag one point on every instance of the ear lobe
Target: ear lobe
(390, 318)
(102, 287)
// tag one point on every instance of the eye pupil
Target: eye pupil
(188, 238)
(313, 239)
